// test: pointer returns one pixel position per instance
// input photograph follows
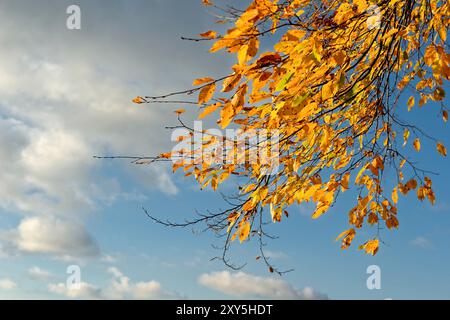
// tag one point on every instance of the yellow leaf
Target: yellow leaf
(138, 100)
(395, 195)
(275, 213)
(402, 163)
(345, 181)
(411, 102)
(364, 168)
(209, 109)
(339, 57)
(209, 34)
(200, 81)
(406, 134)
(371, 247)
(206, 93)
(231, 82)
(177, 165)
(214, 183)
(242, 54)
(321, 209)
(344, 233)
(389, 34)
(417, 144)
(441, 149)
(348, 238)
(244, 231)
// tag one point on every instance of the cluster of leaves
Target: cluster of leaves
(331, 86)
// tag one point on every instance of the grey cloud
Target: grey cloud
(66, 96)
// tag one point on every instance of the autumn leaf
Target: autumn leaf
(329, 88)
(406, 134)
(441, 149)
(206, 93)
(214, 182)
(411, 102)
(371, 247)
(348, 236)
(139, 100)
(416, 144)
(244, 231)
(209, 34)
(200, 81)
(209, 109)
(180, 111)
(395, 195)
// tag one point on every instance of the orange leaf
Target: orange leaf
(209, 34)
(395, 195)
(417, 144)
(244, 231)
(206, 93)
(441, 149)
(200, 81)
(209, 109)
(411, 102)
(138, 100)
(371, 247)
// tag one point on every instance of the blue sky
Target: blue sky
(66, 97)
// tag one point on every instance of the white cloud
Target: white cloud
(7, 284)
(120, 287)
(107, 258)
(81, 291)
(421, 242)
(50, 235)
(243, 285)
(61, 106)
(37, 273)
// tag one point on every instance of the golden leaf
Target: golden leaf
(209, 109)
(395, 195)
(138, 100)
(200, 81)
(371, 247)
(417, 144)
(209, 34)
(411, 102)
(206, 93)
(441, 149)
(244, 231)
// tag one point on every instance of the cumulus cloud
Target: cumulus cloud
(37, 273)
(120, 287)
(66, 97)
(50, 235)
(243, 285)
(7, 284)
(82, 290)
